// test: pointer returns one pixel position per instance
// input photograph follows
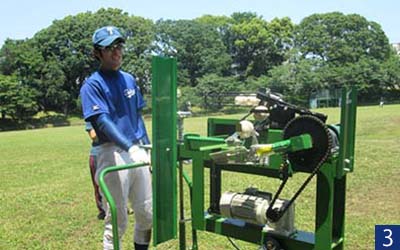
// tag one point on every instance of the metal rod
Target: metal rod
(182, 226)
(187, 179)
(194, 232)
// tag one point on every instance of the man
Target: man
(112, 103)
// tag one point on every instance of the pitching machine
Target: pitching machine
(279, 141)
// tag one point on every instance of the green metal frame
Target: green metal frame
(330, 186)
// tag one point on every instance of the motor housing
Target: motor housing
(253, 209)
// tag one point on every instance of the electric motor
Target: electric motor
(242, 206)
(253, 209)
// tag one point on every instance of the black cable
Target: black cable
(233, 243)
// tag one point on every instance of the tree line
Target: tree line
(216, 54)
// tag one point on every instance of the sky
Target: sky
(21, 19)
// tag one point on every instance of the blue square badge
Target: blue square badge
(387, 237)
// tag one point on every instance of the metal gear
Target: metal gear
(309, 159)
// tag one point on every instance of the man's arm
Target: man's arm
(104, 124)
(107, 126)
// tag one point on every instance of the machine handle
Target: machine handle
(110, 199)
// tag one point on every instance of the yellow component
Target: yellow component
(264, 149)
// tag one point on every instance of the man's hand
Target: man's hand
(139, 155)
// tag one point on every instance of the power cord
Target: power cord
(233, 243)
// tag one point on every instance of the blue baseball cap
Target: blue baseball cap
(105, 36)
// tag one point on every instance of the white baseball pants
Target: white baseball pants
(130, 185)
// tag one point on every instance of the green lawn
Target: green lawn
(46, 197)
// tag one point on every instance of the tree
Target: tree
(16, 100)
(256, 45)
(9, 56)
(391, 79)
(23, 61)
(222, 25)
(349, 49)
(337, 38)
(138, 49)
(57, 59)
(197, 46)
(323, 51)
(66, 46)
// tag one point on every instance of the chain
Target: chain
(275, 214)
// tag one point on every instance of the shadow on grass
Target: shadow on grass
(54, 120)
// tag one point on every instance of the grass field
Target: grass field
(47, 202)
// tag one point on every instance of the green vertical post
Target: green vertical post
(347, 130)
(339, 206)
(164, 151)
(345, 161)
(324, 208)
(198, 192)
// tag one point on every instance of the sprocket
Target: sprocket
(309, 159)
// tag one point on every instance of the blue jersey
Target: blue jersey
(114, 93)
